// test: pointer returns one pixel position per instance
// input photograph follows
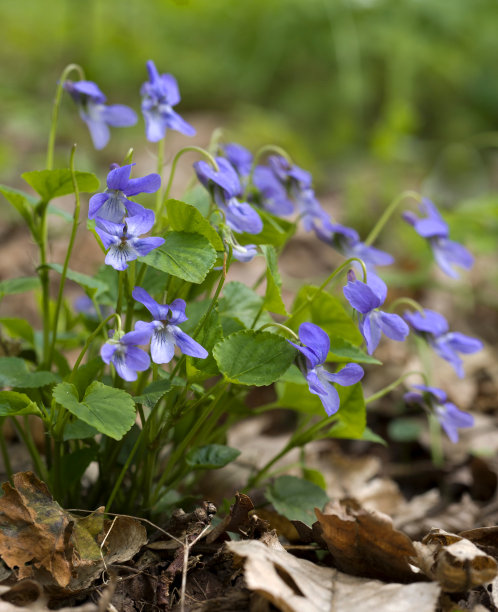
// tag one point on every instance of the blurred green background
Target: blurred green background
(373, 96)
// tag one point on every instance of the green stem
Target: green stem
(393, 385)
(160, 164)
(387, 214)
(175, 162)
(436, 441)
(336, 272)
(44, 281)
(55, 110)
(26, 437)
(409, 302)
(72, 238)
(283, 327)
(5, 452)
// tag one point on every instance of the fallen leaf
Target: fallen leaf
(63, 552)
(365, 543)
(455, 562)
(237, 519)
(298, 585)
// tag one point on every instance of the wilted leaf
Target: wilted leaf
(235, 521)
(365, 543)
(298, 585)
(455, 562)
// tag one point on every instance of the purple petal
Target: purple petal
(99, 132)
(119, 177)
(188, 345)
(152, 70)
(448, 253)
(162, 346)
(239, 157)
(428, 228)
(140, 224)
(137, 359)
(177, 123)
(325, 391)
(437, 393)
(312, 358)
(142, 296)
(371, 332)
(155, 125)
(139, 336)
(451, 418)
(96, 201)
(432, 322)
(392, 325)
(134, 209)
(227, 177)
(147, 184)
(119, 256)
(315, 339)
(350, 374)
(143, 246)
(244, 253)
(86, 88)
(463, 343)
(177, 308)
(107, 351)
(241, 217)
(361, 297)
(119, 115)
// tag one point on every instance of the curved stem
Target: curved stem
(387, 214)
(409, 302)
(191, 148)
(72, 238)
(160, 164)
(393, 386)
(55, 110)
(280, 326)
(329, 278)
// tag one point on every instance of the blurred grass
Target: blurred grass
(373, 96)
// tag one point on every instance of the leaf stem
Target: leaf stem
(378, 227)
(393, 385)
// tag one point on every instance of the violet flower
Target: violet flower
(447, 253)
(125, 355)
(123, 239)
(113, 205)
(96, 114)
(366, 299)
(448, 415)
(163, 331)
(159, 94)
(240, 158)
(272, 194)
(434, 328)
(317, 344)
(225, 187)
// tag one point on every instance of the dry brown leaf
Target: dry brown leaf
(235, 521)
(486, 538)
(365, 543)
(455, 562)
(63, 552)
(298, 585)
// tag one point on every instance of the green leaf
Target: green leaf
(153, 393)
(209, 335)
(14, 373)
(54, 183)
(13, 403)
(371, 436)
(19, 285)
(78, 430)
(86, 374)
(343, 351)
(273, 297)
(316, 477)
(253, 358)
(241, 303)
(211, 456)
(296, 499)
(21, 201)
(186, 217)
(18, 328)
(88, 283)
(404, 429)
(352, 415)
(187, 256)
(326, 311)
(111, 411)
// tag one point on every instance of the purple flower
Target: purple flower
(244, 253)
(225, 186)
(434, 328)
(113, 204)
(240, 158)
(272, 194)
(163, 331)
(96, 114)
(366, 299)
(447, 253)
(316, 348)
(125, 355)
(159, 94)
(448, 415)
(122, 239)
